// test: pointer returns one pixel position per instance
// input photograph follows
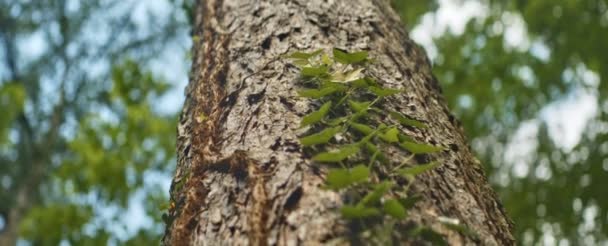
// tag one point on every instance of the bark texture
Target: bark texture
(242, 178)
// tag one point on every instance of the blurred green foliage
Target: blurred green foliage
(496, 88)
(12, 98)
(83, 145)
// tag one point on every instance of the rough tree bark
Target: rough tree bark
(241, 177)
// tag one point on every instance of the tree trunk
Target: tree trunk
(242, 177)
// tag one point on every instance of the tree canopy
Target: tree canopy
(507, 76)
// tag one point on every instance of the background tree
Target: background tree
(78, 130)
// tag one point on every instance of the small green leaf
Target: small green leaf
(404, 138)
(413, 171)
(337, 121)
(314, 71)
(358, 106)
(359, 173)
(304, 55)
(337, 156)
(358, 212)
(338, 179)
(374, 150)
(325, 59)
(328, 84)
(301, 63)
(341, 178)
(366, 139)
(316, 116)
(375, 195)
(406, 120)
(318, 93)
(393, 208)
(391, 135)
(365, 129)
(429, 235)
(383, 92)
(356, 116)
(418, 148)
(349, 58)
(321, 137)
(359, 83)
(377, 110)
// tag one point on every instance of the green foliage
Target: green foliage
(98, 164)
(320, 138)
(316, 116)
(413, 171)
(81, 121)
(341, 178)
(496, 89)
(349, 58)
(12, 99)
(418, 148)
(337, 155)
(406, 121)
(393, 208)
(390, 135)
(352, 108)
(319, 93)
(378, 191)
(383, 92)
(314, 71)
(359, 106)
(365, 129)
(58, 222)
(358, 212)
(428, 234)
